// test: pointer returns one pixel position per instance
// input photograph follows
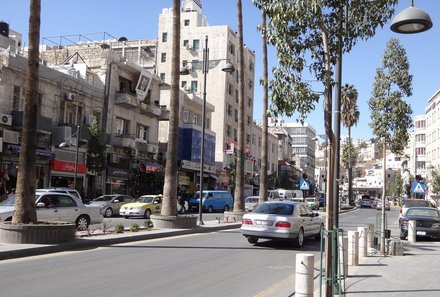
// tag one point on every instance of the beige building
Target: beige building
(221, 87)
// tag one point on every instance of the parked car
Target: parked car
(427, 222)
(54, 206)
(70, 191)
(110, 204)
(408, 203)
(144, 206)
(312, 202)
(250, 202)
(387, 205)
(212, 200)
(281, 220)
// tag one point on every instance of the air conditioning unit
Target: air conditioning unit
(70, 96)
(10, 136)
(6, 119)
(114, 158)
(189, 47)
(133, 152)
(90, 119)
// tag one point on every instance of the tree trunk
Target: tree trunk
(25, 211)
(264, 149)
(169, 203)
(239, 178)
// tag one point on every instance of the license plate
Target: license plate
(264, 223)
(421, 233)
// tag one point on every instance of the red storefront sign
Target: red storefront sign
(65, 166)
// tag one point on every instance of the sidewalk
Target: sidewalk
(11, 251)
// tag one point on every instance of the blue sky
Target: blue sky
(137, 19)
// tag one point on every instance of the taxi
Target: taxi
(144, 206)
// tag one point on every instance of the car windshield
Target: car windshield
(421, 212)
(275, 208)
(104, 198)
(145, 199)
(10, 201)
(251, 200)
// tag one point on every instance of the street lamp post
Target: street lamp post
(65, 144)
(205, 69)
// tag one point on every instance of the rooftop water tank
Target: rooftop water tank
(4, 29)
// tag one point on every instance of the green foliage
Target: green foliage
(119, 228)
(395, 186)
(305, 34)
(148, 224)
(390, 114)
(96, 161)
(348, 150)
(435, 182)
(134, 227)
(349, 108)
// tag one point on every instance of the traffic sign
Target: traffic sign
(418, 187)
(304, 184)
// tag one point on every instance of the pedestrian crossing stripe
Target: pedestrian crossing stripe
(304, 186)
(418, 188)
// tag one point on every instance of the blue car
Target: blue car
(212, 201)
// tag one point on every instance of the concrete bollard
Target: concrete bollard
(343, 256)
(353, 248)
(363, 231)
(304, 279)
(370, 237)
(411, 231)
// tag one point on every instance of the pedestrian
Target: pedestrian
(181, 199)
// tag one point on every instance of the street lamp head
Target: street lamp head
(229, 68)
(411, 20)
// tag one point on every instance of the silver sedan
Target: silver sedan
(282, 220)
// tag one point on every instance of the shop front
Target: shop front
(62, 174)
(117, 181)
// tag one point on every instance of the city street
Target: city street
(213, 264)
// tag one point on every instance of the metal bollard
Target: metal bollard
(353, 248)
(363, 252)
(304, 280)
(370, 237)
(411, 231)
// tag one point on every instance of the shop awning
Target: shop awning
(150, 167)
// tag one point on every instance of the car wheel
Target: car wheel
(210, 209)
(125, 217)
(147, 214)
(318, 236)
(226, 208)
(252, 239)
(108, 212)
(299, 240)
(82, 222)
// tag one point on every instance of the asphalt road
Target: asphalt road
(209, 264)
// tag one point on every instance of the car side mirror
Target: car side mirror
(41, 205)
(116, 201)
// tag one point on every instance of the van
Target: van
(273, 195)
(286, 194)
(212, 200)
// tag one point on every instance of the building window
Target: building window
(228, 130)
(186, 23)
(253, 138)
(194, 86)
(236, 115)
(251, 66)
(231, 48)
(229, 110)
(208, 123)
(121, 126)
(249, 101)
(235, 134)
(248, 139)
(16, 98)
(142, 132)
(185, 42)
(230, 89)
(249, 120)
(162, 76)
(236, 96)
(196, 44)
(251, 84)
(164, 36)
(196, 119)
(185, 115)
(163, 57)
(183, 84)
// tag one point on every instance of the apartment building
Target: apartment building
(221, 87)
(432, 112)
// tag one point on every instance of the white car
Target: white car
(282, 220)
(60, 207)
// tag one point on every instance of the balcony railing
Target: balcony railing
(126, 100)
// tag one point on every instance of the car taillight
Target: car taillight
(400, 210)
(436, 225)
(282, 225)
(246, 222)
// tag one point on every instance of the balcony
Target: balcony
(153, 148)
(126, 100)
(44, 124)
(141, 145)
(152, 111)
(123, 140)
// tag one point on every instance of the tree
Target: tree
(349, 117)
(169, 202)
(96, 157)
(395, 185)
(305, 34)
(435, 182)
(390, 114)
(239, 177)
(264, 149)
(25, 211)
